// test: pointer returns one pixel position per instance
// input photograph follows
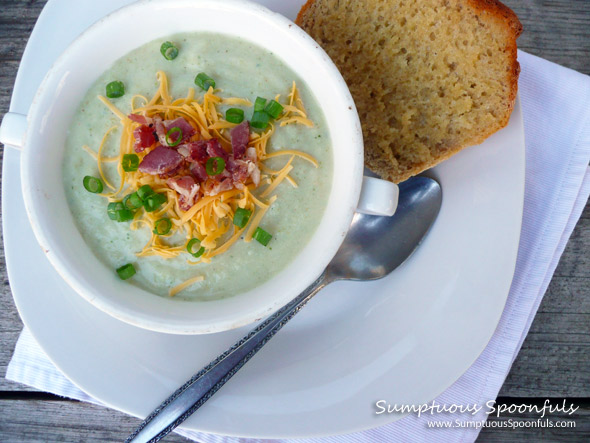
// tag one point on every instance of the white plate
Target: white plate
(405, 338)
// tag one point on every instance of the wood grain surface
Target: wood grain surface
(554, 361)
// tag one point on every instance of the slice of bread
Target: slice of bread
(429, 77)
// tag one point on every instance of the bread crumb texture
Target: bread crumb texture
(428, 77)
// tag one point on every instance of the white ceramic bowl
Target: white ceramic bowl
(59, 96)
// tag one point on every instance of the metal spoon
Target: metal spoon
(373, 247)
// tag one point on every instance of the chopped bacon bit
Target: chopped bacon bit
(187, 130)
(254, 173)
(163, 126)
(238, 170)
(184, 151)
(160, 129)
(214, 149)
(141, 119)
(161, 160)
(231, 165)
(240, 136)
(198, 150)
(144, 138)
(187, 190)
(199, 172)
(172, 172)
(251, 154)
(213, 187)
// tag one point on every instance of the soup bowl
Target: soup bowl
(42, 134)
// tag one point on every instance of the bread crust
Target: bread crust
(493, 10)
(498, 9)
(507, 16)
(302, 11)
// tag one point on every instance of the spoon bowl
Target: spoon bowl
(373, 247)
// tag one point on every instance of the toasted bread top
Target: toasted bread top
(429, 77)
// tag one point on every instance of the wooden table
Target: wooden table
(554, 361)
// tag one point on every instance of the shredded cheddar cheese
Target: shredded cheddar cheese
(294, 112)
(176, 289)
(99, 157)
(95, 155)
(279, 178)
(210, 218)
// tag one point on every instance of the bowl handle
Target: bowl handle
(13, 129)
(378, 197)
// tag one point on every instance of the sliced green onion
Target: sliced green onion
(124, 215)
(259, 120)
(170, 133)
(92, 184)
(126, 271)
(162, 226)
(219, 165)
(144, 192)
(115, 89)
(169, 51)
(273, 108)
(118, 212)
(241, 217)
(234, 115)
(154, 201)
(190, 247)
(204, 82)
(130, 162)
(261, 236)
(112, 209)
(132, 201)
(259, 104)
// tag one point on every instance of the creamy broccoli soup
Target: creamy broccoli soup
(198, 166)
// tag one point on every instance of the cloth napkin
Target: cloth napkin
(555, 103)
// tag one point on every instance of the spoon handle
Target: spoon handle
(204, 384)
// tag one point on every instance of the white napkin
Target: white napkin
(557, 129)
